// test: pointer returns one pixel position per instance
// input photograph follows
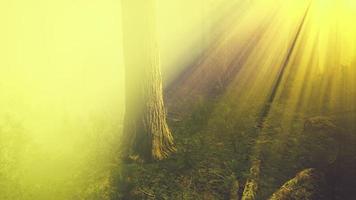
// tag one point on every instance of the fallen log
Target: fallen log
(251, 185)
(308, 184)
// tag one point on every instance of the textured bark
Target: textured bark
(154, 116)
(146, 133)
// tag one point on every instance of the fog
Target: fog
(62, 89)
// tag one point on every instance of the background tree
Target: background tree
(146, 133)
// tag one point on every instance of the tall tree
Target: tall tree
(146, 133)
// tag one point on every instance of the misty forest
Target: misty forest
(178, 100)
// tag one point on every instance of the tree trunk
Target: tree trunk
(146, 133)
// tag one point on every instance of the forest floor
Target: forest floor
(213, 163)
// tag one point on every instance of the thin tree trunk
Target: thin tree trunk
(146, 133)
(251, 185)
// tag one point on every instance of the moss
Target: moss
(319, 123)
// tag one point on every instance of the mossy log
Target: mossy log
(308, 184)
(251, 186)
